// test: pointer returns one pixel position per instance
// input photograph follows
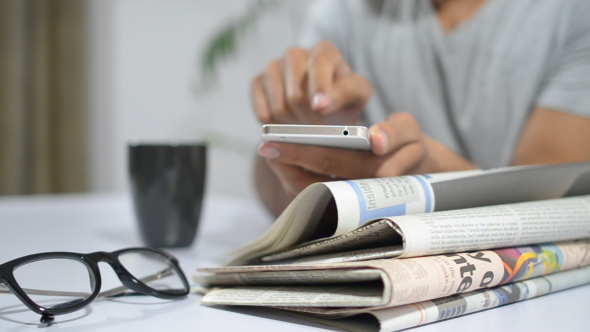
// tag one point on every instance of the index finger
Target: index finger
(324, 66)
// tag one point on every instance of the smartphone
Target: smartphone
(344, 137)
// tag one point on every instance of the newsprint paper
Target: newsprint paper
(434, 233)
(333, 209)
(426, 312)
(386, 283)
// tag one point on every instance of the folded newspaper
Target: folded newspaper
(372, 218)
(426, 312)
(377, 284)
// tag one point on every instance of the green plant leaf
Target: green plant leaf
(226, 43)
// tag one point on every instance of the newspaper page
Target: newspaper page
(378, 233)
(400, 318)
(351, 256)
(495, 226)
(487, 227)
(357, 202)
(426, 312)
(404, 281)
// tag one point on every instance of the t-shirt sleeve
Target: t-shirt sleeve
(566, 86)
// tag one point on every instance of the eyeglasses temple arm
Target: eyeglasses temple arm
(108, 293)
(6, 290)
(122, 289)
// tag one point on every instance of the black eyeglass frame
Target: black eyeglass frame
(91, 261)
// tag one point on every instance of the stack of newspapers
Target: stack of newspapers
(392, 253)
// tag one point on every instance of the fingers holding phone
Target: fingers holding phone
(300, 155)
(397, 147)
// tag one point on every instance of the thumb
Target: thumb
(398, 130)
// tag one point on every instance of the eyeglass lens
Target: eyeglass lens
(55, 282)
(153, 269)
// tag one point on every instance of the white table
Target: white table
(88, 223)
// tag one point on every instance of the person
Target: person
(447, 84)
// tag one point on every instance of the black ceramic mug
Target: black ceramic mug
(167, 184)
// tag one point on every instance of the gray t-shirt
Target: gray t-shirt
(473, 88)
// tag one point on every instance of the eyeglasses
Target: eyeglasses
(57, 283)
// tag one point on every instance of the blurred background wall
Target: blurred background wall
(142, 73)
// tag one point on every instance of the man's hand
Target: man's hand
(398, 148)
(313, 86)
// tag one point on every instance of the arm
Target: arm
(553, 137)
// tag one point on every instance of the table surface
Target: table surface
(105, 222)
